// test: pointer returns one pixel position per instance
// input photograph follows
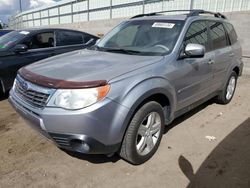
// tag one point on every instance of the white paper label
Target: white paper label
(163, 25)
(24, 32)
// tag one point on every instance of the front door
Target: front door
(193, 76)
(40, 46)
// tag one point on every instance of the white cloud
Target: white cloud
(6, 9)
(38, 3)
(4, 3)
(12, 7)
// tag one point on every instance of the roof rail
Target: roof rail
(158, 13)
(197, 12)
(193, 12)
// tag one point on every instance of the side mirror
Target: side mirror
(20, 48)
(89, 42)
(97, 41)
(194, 50)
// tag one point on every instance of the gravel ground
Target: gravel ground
(185, 157)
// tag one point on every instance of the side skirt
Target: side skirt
(194, 105)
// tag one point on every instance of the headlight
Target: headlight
(74, 99)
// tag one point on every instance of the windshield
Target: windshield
(10, 39)
(146, 37)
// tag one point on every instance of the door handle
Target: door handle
(210, 62)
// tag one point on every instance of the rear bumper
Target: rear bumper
(97, 130)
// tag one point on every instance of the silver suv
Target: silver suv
(118, 95)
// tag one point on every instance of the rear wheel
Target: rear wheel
(144, 134)
(228, 92)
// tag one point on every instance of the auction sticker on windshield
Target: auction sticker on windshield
(163, 25)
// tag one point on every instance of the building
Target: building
(74, 11)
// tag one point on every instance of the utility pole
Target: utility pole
(20, 3)
(191, 4)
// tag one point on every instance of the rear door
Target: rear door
(235, 44)
(223, 53)
(194, 75)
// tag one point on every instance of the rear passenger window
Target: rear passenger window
(218, 35)
(197, 34)
(64, 38)
(231, 32)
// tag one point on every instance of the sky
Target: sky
(11, 7)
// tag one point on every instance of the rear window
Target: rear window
(231, 32)
(218, 35)
(65, 38)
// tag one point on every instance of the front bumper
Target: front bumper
(97, 129)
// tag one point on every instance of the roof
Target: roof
(49, 28)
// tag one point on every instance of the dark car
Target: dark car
(3, 32)
(22, 47)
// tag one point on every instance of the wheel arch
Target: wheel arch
(237, 70)
(158, 95)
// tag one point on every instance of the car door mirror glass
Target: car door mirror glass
(20, 48)
(194, 50)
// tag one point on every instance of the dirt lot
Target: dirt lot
(185, 157)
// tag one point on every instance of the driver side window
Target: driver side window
(40, 40)
(197, 34)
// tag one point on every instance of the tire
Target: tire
(136, 148)
(224, 97)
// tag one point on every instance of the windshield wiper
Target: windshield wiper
(121, 50)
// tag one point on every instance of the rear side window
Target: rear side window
(197, 34)
(65, 38)
(218, 35)
(231, 32)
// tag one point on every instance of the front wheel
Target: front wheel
(228, 92)
(144, 134)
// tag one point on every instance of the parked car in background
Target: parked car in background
(4, 31)
(119, 95)
(22, 47)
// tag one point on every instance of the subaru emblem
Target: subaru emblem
(24, 85)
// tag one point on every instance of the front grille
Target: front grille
(25, 91)
(61, 141)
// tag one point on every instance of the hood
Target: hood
(89, 65)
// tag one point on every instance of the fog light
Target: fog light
(85, 146)
(80, 145)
